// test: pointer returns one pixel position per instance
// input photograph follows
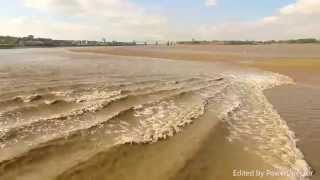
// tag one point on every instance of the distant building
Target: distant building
(30, 37)
(83, 42)
(46, 42)
(92, 43)
(34, 43)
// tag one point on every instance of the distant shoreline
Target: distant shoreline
(40, 47)
(299, 61)
(39, 42)
(152, 45)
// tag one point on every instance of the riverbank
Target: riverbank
(299, 61)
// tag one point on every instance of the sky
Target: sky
(150, 20)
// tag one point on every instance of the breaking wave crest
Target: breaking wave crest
(252, 120)
(78, 118)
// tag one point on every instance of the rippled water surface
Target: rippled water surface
(68, 116)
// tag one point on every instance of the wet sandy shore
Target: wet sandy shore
(299, 61)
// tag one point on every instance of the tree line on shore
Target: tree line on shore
(31, 41)
(239, 42)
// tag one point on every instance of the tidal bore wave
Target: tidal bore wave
(107, 130)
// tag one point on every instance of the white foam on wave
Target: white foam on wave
(253, 120)
(57, 127)
(97, 95)
(160, 121)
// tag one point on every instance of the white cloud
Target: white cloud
(270, 19)
(210, 3)
(114, 10)
(89, 19)
(302, 7)
(297, 20)
(22, 26)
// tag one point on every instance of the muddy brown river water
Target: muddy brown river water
(299, 105)
(67, 115)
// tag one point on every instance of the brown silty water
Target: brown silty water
(300, 106)
(66, 115)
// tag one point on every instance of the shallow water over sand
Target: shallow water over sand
(65, 115)
(300, 106)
